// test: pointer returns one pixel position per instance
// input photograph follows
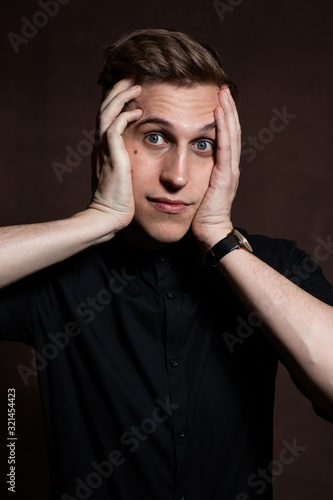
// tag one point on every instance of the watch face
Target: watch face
(243, 241)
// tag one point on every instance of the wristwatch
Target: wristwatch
(233, 241)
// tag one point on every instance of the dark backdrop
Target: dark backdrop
(280, 55)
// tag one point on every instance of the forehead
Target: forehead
(189, 107)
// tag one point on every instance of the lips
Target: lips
(168, 205)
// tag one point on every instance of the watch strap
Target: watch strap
(222, 248)
(233, 241)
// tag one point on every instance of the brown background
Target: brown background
(280, 55)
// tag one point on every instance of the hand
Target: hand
(113, 194)
(212, 221)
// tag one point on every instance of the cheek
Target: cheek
(203, 179)
(141, 168)
(142, 171)
(131, 145)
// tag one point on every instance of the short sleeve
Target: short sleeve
(299, 267)
(16, 313)
(295, 264)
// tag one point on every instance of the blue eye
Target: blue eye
(154, 138)
(204, 146)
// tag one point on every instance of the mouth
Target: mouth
(169, 206)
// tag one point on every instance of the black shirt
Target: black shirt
(155, 383)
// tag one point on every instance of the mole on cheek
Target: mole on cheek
(135, 151)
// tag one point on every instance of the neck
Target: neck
(139, 238)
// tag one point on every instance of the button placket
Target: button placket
(181, 433)
(173, 302)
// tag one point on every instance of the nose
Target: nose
(175, 169)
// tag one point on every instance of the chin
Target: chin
(155, 236)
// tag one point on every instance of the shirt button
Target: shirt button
(182, 497)
(161, 259)
(173, 363)
(169, 295)
(181, 433)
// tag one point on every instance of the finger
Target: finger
(230, 98)
(231, 123)
(120, 86)
(223, 147)
(225, 96)
(115, 106)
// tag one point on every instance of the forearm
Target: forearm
(298, 325)
(26, 249)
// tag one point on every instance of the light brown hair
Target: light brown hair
(160, 55)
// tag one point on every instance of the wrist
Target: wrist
(211, 238)
(234, 240)
(96, 226)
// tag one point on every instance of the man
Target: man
(153, 384)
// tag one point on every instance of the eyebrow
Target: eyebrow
(166, 123)
(208, 127)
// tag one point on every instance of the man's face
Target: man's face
(171, 148)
